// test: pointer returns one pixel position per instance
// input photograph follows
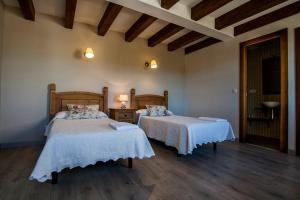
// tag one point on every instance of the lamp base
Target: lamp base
(123, 106)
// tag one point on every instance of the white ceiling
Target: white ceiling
(91, 11)
(189, 3)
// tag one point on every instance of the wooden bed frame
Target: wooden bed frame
(140, 102)
(59, 101)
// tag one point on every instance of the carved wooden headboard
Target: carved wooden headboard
(59, 100)
(140, 101)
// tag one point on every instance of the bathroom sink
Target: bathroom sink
(271, 104)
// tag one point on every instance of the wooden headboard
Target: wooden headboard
(59, 100)
(140, 101)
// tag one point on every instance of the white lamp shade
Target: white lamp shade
(89, 53)
(123, 98)
(153, 64)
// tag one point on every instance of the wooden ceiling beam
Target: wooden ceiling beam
(201, 45)
(244, 11)
(164, 34)
(27, 8)
(274, 16)
(206, 7)
(138, 27)
(70, 13)
(167, 4)
(108, 18)
(184, 40)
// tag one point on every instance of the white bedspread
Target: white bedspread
(73, 143)
(185, 133)
(122, 126)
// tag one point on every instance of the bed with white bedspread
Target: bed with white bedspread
(185, 133)
(81, 134)
(73, 143)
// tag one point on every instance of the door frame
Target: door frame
(297, 78)
(282, 34)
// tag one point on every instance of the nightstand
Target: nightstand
(123, 115)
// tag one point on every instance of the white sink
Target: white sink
(271, 104)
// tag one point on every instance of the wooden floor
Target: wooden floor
(235, 171)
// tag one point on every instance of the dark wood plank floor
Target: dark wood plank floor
(235, 171)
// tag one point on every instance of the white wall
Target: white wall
(41, 52)
(212, 74)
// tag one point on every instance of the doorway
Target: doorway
(263, 91)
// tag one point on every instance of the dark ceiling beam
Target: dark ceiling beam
(27, 8)
(138, 27)
(244, 11)
(70, 13)
(164, 34)
(184, 40)
(201, 45)
(206, 7)
(108, 18)
(167, 4)
(269, 18)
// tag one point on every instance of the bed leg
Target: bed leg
(54, 178)
(215, 146)
(130, 163)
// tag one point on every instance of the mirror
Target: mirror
(271, 75)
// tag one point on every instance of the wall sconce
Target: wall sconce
(123, 98)
(89, 53)
(152, 64)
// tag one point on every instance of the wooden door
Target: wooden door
(283, 86)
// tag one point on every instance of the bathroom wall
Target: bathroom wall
(256, 54)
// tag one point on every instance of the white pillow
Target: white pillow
(61, 115)
(82, 108)
(156, 110)
(169, 113)
(142, 112)
(87, 114)
(101, 115)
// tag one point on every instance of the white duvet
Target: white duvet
(73, 143)
(185, 133)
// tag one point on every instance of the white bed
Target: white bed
(185, 133)
(78, 143)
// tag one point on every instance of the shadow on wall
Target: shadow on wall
(30, 132)
(78, 54)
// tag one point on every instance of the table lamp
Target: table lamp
(123, 98)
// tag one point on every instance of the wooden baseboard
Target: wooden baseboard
(263, 141)
(42, 142)
(292, 152)
(21, 144)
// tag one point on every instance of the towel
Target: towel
(120, 126)
(212, 119)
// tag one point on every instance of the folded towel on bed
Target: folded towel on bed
(212, 119)
(120, 126)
